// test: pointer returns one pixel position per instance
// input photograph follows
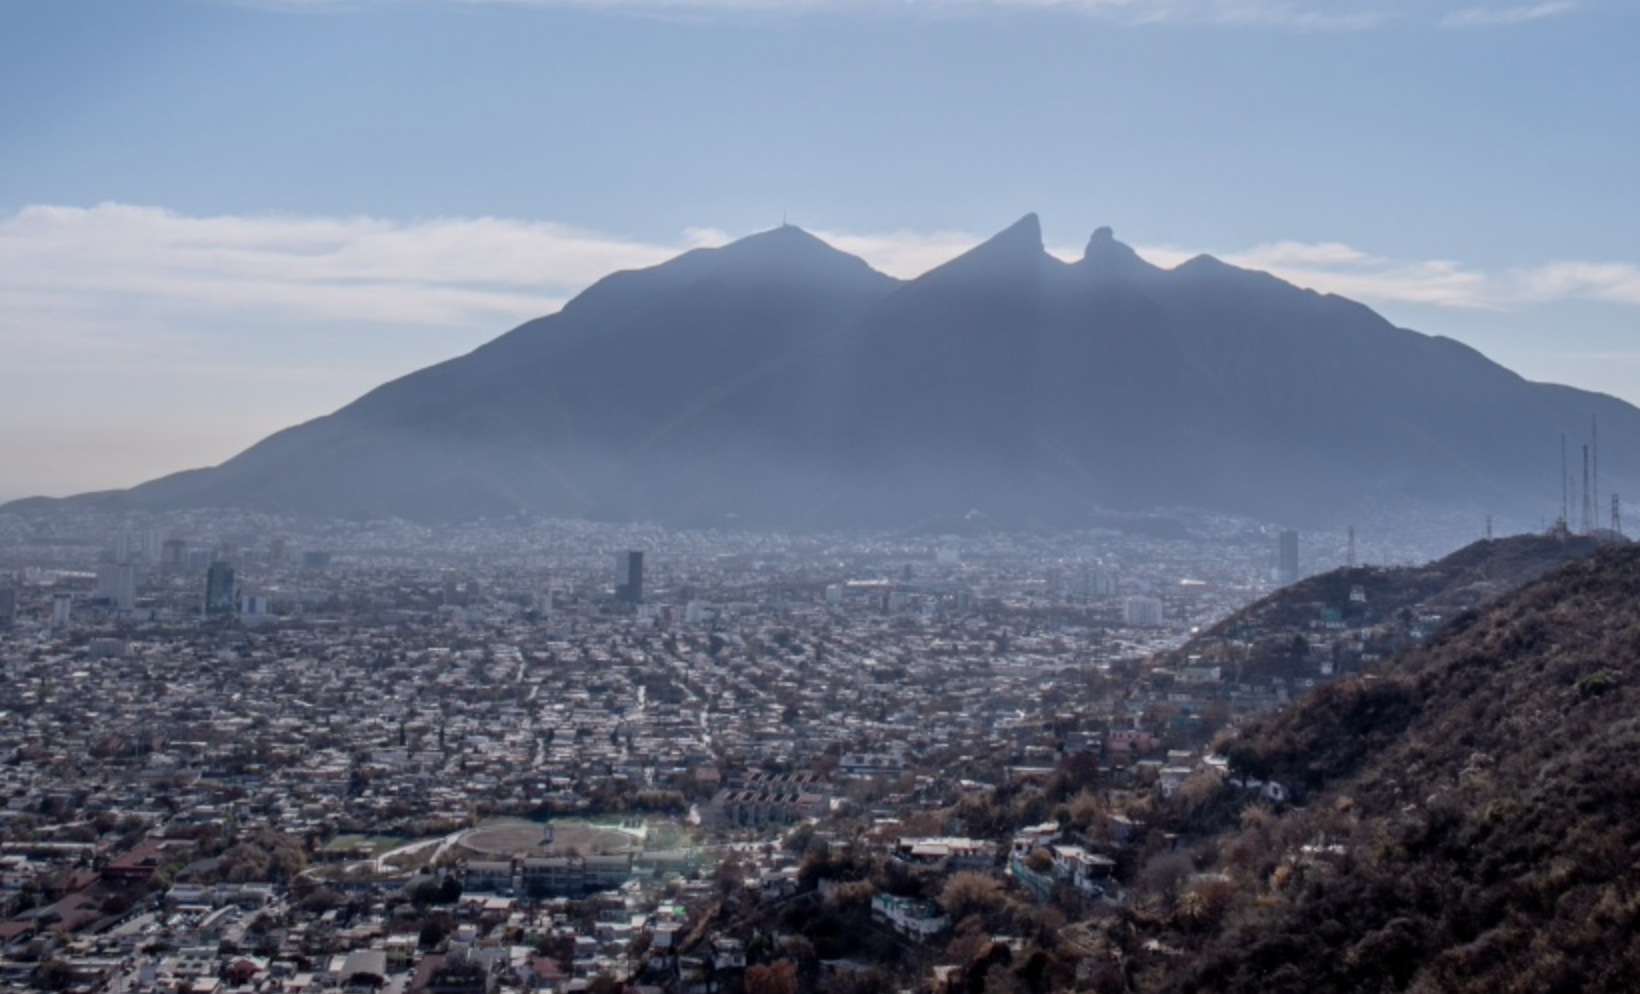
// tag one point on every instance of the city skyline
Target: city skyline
(221, 219)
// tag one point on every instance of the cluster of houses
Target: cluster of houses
(411, 684)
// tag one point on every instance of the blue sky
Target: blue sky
(220, 218)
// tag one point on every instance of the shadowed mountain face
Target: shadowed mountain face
(777, 381)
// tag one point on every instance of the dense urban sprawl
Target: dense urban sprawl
(241, 753)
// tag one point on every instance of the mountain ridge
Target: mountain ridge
(777, 381)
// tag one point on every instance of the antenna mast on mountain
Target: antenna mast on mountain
(1586, 525)
(1565, 485)
(1594, 465)
(1617, 516)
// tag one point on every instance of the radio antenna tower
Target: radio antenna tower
(1349, 558)
(1594, 465)
(1617, 516)
(1565, 486)
(1586, 524)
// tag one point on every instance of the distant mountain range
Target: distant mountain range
(779, 382)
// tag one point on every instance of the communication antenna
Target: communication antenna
(1565, 485)
(1349, 559)
(1594, 451)
(1617, 516)
(1489, 528)
(1588, 507)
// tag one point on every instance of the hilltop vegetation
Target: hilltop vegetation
(1466, 819)
(1346, 619)
(1466, 578)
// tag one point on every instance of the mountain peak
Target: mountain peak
(789, 252)
(1026, 233)
(1105, 254)
(784, 233)
(1015, 250)
(786, 238)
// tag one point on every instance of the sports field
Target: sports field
(512, 838)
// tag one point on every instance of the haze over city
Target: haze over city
(819, 496)
(221, 219)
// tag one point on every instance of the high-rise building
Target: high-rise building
(61, 606)
(219, 588)
(173, 553)
(1143, 612)
(117, 584)
(107, 574)
(629, 577)
(8, 607)
(315, 559)
(1287, 558)
(125, 586)
(1099, 583)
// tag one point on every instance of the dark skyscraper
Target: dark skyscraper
(629, 577)
(219, 589)
(173, 553)
(1287, 561)
(8, 607)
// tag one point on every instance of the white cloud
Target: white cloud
(1307, 254)
(1332, 267)
(122, 282)
(1484, 17)
(72, 274)
(1613, 282)
(121, 324)
(905, 254)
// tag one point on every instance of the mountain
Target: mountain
(778, 381)
(1465, 820)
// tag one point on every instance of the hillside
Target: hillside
(1353, 612)
(1468, 577)
(1467, 820)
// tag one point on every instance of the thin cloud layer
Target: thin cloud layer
(1485, 17)
(123, 325)
(1333, 267)
(1613, 282)
(905, 254)
(449, 272)
(119, 279)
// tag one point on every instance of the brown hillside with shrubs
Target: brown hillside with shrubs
(1466, 819)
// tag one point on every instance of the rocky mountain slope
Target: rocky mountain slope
(1466, 819)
